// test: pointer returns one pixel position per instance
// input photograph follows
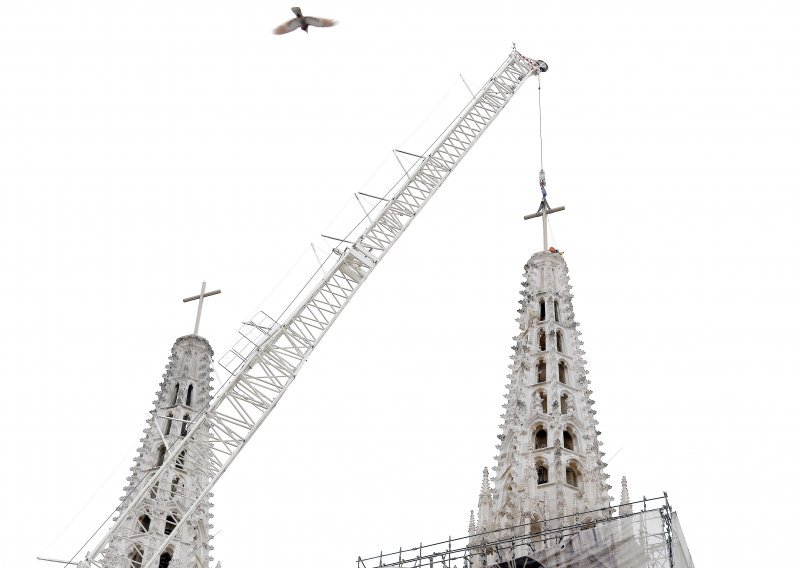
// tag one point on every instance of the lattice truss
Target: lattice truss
(641, 539)
(264, 362)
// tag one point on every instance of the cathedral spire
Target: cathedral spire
(183, 393)
(549, 464)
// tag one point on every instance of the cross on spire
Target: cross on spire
(544, 210)
(200, 297)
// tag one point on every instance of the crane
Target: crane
(260, 367)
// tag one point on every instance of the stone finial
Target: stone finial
(625, 500)
(471, 523)
(485, 482)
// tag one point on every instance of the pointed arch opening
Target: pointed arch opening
(562, 372)
(135, 557)
(535, 529)
(541, 310)
(180, 461)
(542, 473)
(175, 394)
(164, 560)
(541, 371)
(535, 525)
(162, 450)
(569, 443)
(542, 340)
(573, 474)
(540, 401)
(559, 342)
(172, 522)
(564, 404)
(556, 311)
(144, 523)
(189, 393)
(168, 425)
(540, 438)
(185, 425)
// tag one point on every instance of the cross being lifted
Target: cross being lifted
(200, 297)
(544, 207)
(544, 210)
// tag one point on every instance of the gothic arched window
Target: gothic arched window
(135, 557)
(168, 425)
(169, 526)
(564, 404)
(189, 392)
(535, 531)
(185, 425)
(540, 439)
(568, 442)
(160, 455)
(559, 342)
(573, 475)
(175, 394)
(541, 372)
(144, 523)
(541, 474)
(543, 398)
(535, 526)
(556, 311)
(164, 560)
(541, 310)
(562, 372)
(542, 340)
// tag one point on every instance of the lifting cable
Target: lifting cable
(541, 143)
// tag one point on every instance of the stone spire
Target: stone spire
(549, 464)
(184, 391)
(625, 500)
(484, 502)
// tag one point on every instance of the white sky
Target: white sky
(147, 146)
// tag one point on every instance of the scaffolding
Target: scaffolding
(645, 534)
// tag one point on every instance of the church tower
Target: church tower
(184, 390)
(549, 470)
(549, 462)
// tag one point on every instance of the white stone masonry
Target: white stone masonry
(549, 464)
(184, 391)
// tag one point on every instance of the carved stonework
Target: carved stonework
(184, 390)
(544, 488)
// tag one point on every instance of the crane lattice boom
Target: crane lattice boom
(265, 362)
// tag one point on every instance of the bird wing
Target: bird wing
(297, 12)
(287, 27)
(320, 22)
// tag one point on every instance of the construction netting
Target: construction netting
(647, 538)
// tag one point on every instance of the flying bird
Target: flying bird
(302, 22)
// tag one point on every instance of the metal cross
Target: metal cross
(200, 297)
(544, 210)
